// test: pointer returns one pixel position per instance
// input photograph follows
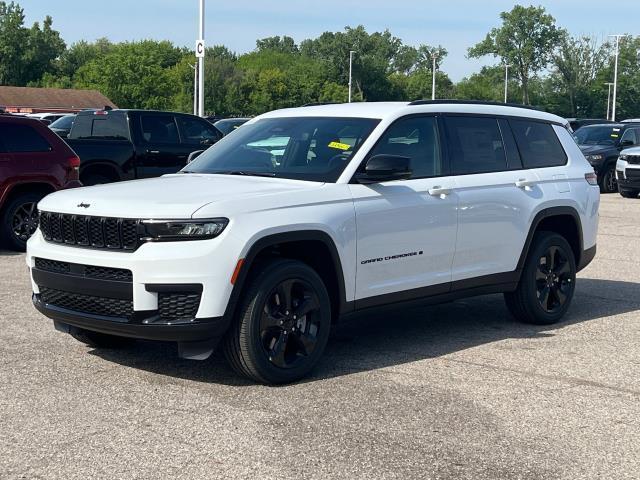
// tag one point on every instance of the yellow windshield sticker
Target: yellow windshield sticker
(614, 135)
(340, 146)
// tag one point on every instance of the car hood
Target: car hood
(170, 196)
(596, 149)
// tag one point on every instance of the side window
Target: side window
(112, 128)
(197, 132)
(416, 138)
(475, 144)
(159, 129)
(538, 144)
(22, 138)
(630, 135)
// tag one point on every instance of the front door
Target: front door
(406, 230)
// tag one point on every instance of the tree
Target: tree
(43, 47)
(13, 38)
(282, 45)
(525, 41)
(577, 63)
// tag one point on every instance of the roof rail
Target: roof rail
(317, 104)
(472, 102)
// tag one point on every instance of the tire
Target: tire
(544, 295)
(95, 179)
(100, 340)
(19, 220)
(268, 342)
(608, 182)
(629, 193)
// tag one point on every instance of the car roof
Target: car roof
(382, 110)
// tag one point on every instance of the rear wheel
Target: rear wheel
(282, 325)
(629, 193)
(19, 220)
(100, 340)
(547, 283)
(608, 182)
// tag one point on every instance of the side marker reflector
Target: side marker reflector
(236, 272)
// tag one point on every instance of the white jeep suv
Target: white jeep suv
(628, 172)
(303, 216)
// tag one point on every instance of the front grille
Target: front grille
(106, 307)
(178, 306)
(88, 271)
(87, 231)
(633, 159)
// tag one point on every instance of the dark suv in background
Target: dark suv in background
(602, 144)
(34, 162)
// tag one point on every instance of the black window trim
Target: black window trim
(444, 151)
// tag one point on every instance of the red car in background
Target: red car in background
(34, 162)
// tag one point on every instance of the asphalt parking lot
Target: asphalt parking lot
(450, 391)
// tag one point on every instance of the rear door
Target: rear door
(406, 230)
(158, 148)
(496, 197)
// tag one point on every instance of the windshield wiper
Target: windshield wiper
(247, 173)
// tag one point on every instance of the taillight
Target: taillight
(73, 163)
(591, 178)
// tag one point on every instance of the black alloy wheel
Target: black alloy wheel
(25, 221)
(290, 323)
(553, 280)
(609, 181)
(282, 323)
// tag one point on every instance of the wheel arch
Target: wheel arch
(295, 245)
(26, 187)
(563, 220)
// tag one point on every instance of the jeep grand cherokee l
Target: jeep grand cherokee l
(305, 215)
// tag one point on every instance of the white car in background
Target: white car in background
(628, 172)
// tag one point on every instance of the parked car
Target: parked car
(46, 118)
(116, 145)
(602, 144)
(577, 123)
(34, 162)
(63, 125)
(228, 125)
(370, 204)
(628, 172)
(631, 120)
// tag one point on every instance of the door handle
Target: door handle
(439, 191)
(524, 183)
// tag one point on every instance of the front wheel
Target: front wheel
(608, 182)
(282, 325)
(547, 283)
(19, 220)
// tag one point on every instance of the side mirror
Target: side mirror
(385, 168)
(193, 155)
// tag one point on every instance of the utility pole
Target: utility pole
(609, 84)
(615, 76)
(351, 52)
(434, 57)
(201, 63)
(506, 82)
(195, 87)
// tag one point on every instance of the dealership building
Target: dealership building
(37, 100)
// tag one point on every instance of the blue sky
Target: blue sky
(456, 24)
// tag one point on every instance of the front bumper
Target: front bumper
(628, 176)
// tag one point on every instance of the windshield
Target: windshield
(304, 148)
(598, 135)
(63, 122)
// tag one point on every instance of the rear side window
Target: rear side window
(475, 144)
(22, 138)
(538, 144)
(416, 138)
(159, 129)
(103, 126)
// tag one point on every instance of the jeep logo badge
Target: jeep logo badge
(84, 205)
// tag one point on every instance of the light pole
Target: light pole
(609, 84)
(351, 53)
(615, 76)
(195, 87)
(506, 81)
(434, 57)
(201, 65)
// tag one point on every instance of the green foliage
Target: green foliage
(525, 41)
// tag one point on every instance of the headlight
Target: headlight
(623, 157)
(595, 158)
(175, 230)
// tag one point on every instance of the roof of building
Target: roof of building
(52, 98)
